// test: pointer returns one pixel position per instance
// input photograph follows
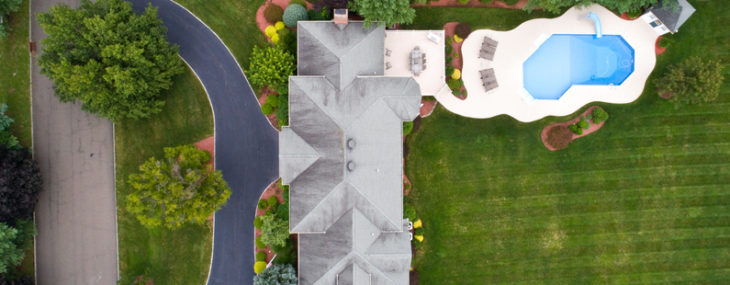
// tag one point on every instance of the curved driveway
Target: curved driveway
(246, 146)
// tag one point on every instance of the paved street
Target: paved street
(246, 146)
(76, 214)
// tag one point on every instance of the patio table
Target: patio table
(416, 61)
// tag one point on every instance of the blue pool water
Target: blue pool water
(564, 60)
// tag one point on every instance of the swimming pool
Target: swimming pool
(566, 60)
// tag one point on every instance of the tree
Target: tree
(274, 231)
(693, 81)
(10, 254)
(7, 7)
(6, 136)
(283, 274)
(20, 183)
(557, 6)
(386, 12)
(293, 14)
(178, 189)
(115, 62)
(271, 66)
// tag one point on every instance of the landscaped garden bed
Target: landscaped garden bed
(558, 136)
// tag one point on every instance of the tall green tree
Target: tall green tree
(181, 188)
(692, 81)
(274, 231)
(117, 63)
(10, 254)
(20, 184)
(7, 7)
(271, 66)
(6, 136)
(385, 12)
(556, 6)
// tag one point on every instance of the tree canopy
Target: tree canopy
(692, 81)
(181, 188)
(271, 66)
(7, 7)
(115, 62)
(20, 183)
(10, 254)
(274, 231)
(385, 12)
(277, 274)
(557, 6)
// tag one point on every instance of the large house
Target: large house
(342, 156)
(668, 15)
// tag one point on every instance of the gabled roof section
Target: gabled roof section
(340, 54)
(673, 13)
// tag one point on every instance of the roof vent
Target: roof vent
(340, 16)
(350, 143)
(350, 165)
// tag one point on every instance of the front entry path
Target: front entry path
(76, 214)
(246, 146)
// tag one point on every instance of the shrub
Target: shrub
(257, 223)
(418, 231)
(449, 59)
(277, 274)
(6, 136)
(693, 81)
(282, 211)
(273, 201)
(449, 41)
(454, 84)
(260, 256)
(270, 31)
(294, 13)
(409, 212)
(270, 65)
(458, 39)
(259, 267)
(599, 115)
(323, 14)
(282, 112)
(279, 26)
(267, 109)
(456, 74)
(263, 204)
(273, 13)
(448, 49)
(275, 38)
(456, 54)
(665, 42)
(559, 137)
(462, 30)
(285, 254)
(272, 100)
(583, 123)
(575, 129)
(407, 128)
(260, 244)
(274, 231)
(449, 70)
(464, 2)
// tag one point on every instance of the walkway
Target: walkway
(76, 213)
(516, 45)
(246, 144)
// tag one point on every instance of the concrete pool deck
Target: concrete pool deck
(516, 45)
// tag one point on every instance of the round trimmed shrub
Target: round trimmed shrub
(275, 38)
(263, 204)
(449, 70)
(458, 39)
(279, 25)
(260, 244)
(583, 123)
(273, 13)
(260, 256)
(456, 74)
(409, 212)
(273, 201)
(559, 137)
(449, 59)
(272, 100)
(257, 223)
(294, 13)
(456, 55)
(267, 110)
(454, 84)
(448, 49)
(599, 115)
(270, 31)
(462, 30)
(259, 267)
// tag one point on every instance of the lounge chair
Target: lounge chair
(490, 41)
(388, 65)
(387, 52)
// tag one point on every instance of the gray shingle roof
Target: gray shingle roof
(342, 157)
(673, 15)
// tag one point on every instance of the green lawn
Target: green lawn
(645, 199)
(15, 74)
(234, 21)
(167, 257)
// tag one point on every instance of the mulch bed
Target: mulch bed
(457, 62)
(272, 190)
(261, 21)
(591, 129)
(659, 50)
(262, 100)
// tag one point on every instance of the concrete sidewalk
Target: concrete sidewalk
(76, 213)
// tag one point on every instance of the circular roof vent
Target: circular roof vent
(350, 143)
(350, 165)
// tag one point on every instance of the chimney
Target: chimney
(340, 16)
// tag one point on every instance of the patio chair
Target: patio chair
(387, 52)
(489, 41)
(484, 73)
(388, 65)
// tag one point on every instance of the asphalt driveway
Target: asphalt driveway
(246, 146)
